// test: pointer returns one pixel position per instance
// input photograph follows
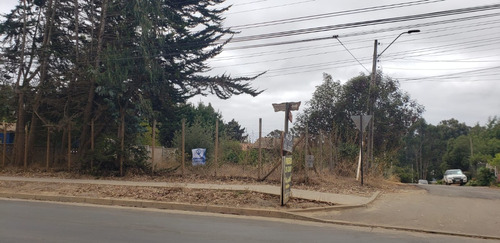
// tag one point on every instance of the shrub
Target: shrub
(485, 177)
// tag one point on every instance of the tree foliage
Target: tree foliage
(112, 62)
(333, 104)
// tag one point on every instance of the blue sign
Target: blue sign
(199, 156)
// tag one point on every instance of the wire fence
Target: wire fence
(312, 157)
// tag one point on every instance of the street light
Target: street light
(372, 85)
(407, 32)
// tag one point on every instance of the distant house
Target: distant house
(10, 131)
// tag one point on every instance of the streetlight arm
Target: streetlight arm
(408, 32)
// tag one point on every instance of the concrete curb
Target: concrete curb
(337, 207)
(228, 210)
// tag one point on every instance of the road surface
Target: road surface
(26, 221)
(468, 210)
(463, 191)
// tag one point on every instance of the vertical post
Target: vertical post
(216, 146)
(69, 147)
(321, 147)
(371, 105)
(122, 142)
(4, 143)
(26, 147)
(306, 147)
(48, 149)
(153, 143)
(183, 149)
(361, 144)
(260, 147)
(92, 143)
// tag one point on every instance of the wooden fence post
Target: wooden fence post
(183, 149)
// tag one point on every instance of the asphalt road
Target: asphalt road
(468, 210)
(26, 221)
(462, 191)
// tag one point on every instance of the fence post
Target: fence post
(305, 153)
(216, 145)
(260, 147)
(26, 147)
(69, 147)
(183, 144)
(153, 129)
(4, 143)
(48, 149)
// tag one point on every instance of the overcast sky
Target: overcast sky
(451, 67)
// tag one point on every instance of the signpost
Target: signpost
(287, 146)
(361, 121)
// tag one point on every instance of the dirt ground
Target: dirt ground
(247, 199)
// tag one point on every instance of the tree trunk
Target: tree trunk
(21, 113)
(87, 113)
(50, 14)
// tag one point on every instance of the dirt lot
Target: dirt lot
(246, 199)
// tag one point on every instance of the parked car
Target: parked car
(454, 176)
(423, 182)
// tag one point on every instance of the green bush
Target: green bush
(485, 177)
(231, 151)
(404, 174)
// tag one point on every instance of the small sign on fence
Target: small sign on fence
(199, 156)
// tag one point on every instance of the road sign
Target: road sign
(288, 143)
(365, 119)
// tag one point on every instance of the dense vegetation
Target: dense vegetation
(404, 143)
(116, 64)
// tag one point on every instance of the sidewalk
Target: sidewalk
(337, 199)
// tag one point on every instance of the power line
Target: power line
(366, 23)
(332, 14)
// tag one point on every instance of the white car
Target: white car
(454, 176)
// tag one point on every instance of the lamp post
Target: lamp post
(371, 97)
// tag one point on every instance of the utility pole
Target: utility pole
(371, 105)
